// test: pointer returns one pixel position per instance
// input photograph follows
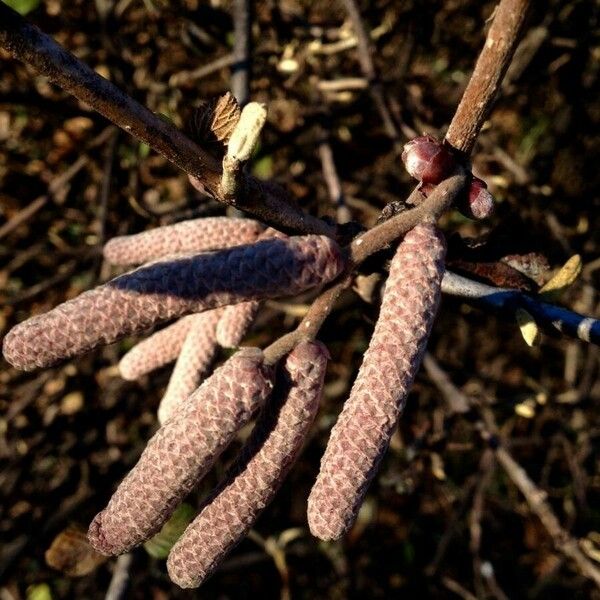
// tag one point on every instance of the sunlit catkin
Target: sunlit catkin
(251, 483)
(362, 433)
(181, 452)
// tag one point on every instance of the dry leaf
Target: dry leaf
(214, 122)
(528, 327)
(565, 277)
(71, 553)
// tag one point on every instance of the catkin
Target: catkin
(362, 433)
(181, 452)
(196, 235)
(156, 351)
(194, 361)
(235, 322)
(159, 292)
(253, 480)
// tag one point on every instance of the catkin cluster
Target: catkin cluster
(209, 276)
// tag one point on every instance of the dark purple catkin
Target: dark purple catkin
(194, 361)
(158, 350)
(362, 433)
(235, 322)
(181, 452)
(253, 480)
(197, 235)
(159, 292)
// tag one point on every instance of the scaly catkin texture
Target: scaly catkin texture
(253, 480)
(161, 291)
(237, 319)
(362, 433)
(235, 322)
(194, 361)
(158, 350)
(196, 235)
(181, 452)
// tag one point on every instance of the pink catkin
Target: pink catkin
(159, 292)
(362, 433)
(158, 350)
(253, 480)
(197, 235)
(181, 452)
(237, 319)
(194, 361)
(235, 322)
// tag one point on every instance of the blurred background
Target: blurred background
(443, 519)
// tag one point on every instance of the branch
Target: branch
(267, 202)
(507, 300)
(363, 246)
(485, 81)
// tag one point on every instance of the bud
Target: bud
(158, 350)
(252, 482)
(428, 160)
(181, 452)
(194, 361)
(196, 235)
(362, 433)
(480, 203)
(155, 293)
(235, 322)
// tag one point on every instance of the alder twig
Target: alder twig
(484, 84)
(363, 246)
(507, 300)
(269, 203)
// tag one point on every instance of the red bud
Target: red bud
(427, 159)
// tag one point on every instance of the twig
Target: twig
(242, 39)
(368, 69)
(536, 498)
(120, 578)
(485, 82)
(332, 180)
(267, 202)
(507, 300)
(183, 77)
(28, 44)
(359, 250)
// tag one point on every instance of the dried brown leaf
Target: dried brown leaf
(71, 553)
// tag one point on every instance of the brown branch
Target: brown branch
(363, 246)
(487, 76)
(30, 45)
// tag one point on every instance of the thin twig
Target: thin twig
(185, 77)
(368, 69)
(120, 578)
(477, 100)
(332, 180)
(242, 39)
(507, 300)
